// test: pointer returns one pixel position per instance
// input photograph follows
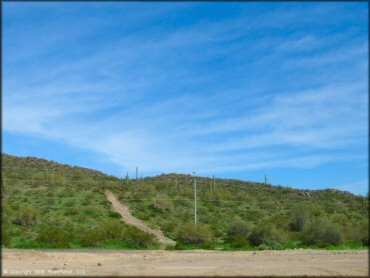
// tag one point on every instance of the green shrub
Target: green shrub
(70, 203)
(97, 189)
(14, 206)
(311, 235)
(275, 245)
(321, 232)
(5, 232)
(27, 216)
(361, 233)
(340, 219)
(239, 241)
(56, 235)
(91, 211)
(86, 202)
(270, 245)
(138, 237)
(169, 226)
(71, 211)
(6, 208)
(238, 233)
(300, 217)
(316, 210)
(81, 218)
(263, 247)
(182, 202)
(189, 233)
(162, 204)
(113, 230)
(92, 237)
(332, 235)
(114, 214)
(50, 194)
(261, 234)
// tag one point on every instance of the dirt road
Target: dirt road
(130, 219)
(190, 263)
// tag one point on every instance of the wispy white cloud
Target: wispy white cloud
(150, 136)
(332, 57)
(191, 98)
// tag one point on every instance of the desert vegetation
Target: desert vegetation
(50, 205)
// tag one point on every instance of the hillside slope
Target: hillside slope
(47, 204)
(128, 218)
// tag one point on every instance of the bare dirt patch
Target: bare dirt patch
(189, 263)
(130, 219)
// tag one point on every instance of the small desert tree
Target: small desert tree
(189, 233)
(262, 234)
(321, 232)
(238, 233)
(300, 217)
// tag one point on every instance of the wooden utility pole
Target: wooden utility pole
(213, 183)
(137, 174)
(195, 199)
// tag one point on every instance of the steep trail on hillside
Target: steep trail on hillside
(130, 219)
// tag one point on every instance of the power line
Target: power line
(51, 182)
(130, 199)
(118, 182)
(101, 174)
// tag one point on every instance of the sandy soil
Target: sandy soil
(190, 263)
(130, 219)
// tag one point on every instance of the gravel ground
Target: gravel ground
(184, 263)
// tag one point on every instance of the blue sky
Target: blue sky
(232, 89)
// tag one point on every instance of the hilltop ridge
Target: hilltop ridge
(47, 204)
(30, 161)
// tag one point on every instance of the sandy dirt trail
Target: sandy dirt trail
(185, 263)
(130, 219)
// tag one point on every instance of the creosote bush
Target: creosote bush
(55, 234)
(113, 230)
(361, 233)
(138, 237)
(5, 232)
(238, 233)
(168, 226)
(162, 204)
(321, 232)
(189, 233)
(92, 237)
(27, 216)
(71, 211)
(114, 214)
(262, 233)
